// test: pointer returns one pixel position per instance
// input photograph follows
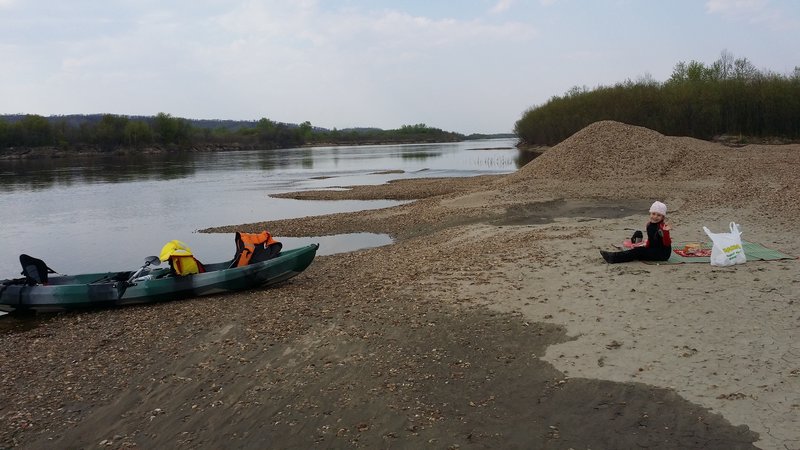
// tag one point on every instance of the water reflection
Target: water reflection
(524, 157)
(38, 174)
(422, 156)
(46, 173)
(89, 214)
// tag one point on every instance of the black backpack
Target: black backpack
(34, 270)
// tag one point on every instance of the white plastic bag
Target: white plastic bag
(727, 249)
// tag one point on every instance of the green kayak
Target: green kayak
(66, 292)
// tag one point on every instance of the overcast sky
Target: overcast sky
(466, 66)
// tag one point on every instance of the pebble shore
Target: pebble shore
(491, 322)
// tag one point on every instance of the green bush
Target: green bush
(728, 97)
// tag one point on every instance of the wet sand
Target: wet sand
(491, 322)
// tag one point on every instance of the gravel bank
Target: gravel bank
(492, 322)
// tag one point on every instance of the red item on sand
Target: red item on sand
(628, 244)
(703, 252)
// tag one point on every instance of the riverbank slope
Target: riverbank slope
(491, 322)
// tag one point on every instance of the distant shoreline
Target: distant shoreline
(53, 152)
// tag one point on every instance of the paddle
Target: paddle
(122, 286)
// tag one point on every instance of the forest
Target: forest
(108, 132)
(729, 97)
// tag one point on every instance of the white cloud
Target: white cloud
(755, 12)
(352, 38)
(289, 61)
(502, 6)
(735, 7)
(350, 63)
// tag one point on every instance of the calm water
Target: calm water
(100, 214)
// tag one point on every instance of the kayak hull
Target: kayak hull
(104, 290)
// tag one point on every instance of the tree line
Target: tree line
(727, 97)
(418, 133)
(112, 132)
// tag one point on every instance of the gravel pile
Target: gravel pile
(604, 150)
(613, 160)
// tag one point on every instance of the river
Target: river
(108, 213)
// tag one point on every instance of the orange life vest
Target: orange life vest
(246, 244)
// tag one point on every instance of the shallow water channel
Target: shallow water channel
(108, 213)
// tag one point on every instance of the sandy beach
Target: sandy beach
(491, 322)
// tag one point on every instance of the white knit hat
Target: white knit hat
(659, 207)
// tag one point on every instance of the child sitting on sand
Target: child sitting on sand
(659, 243)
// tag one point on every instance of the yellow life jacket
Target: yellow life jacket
(180, 258)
